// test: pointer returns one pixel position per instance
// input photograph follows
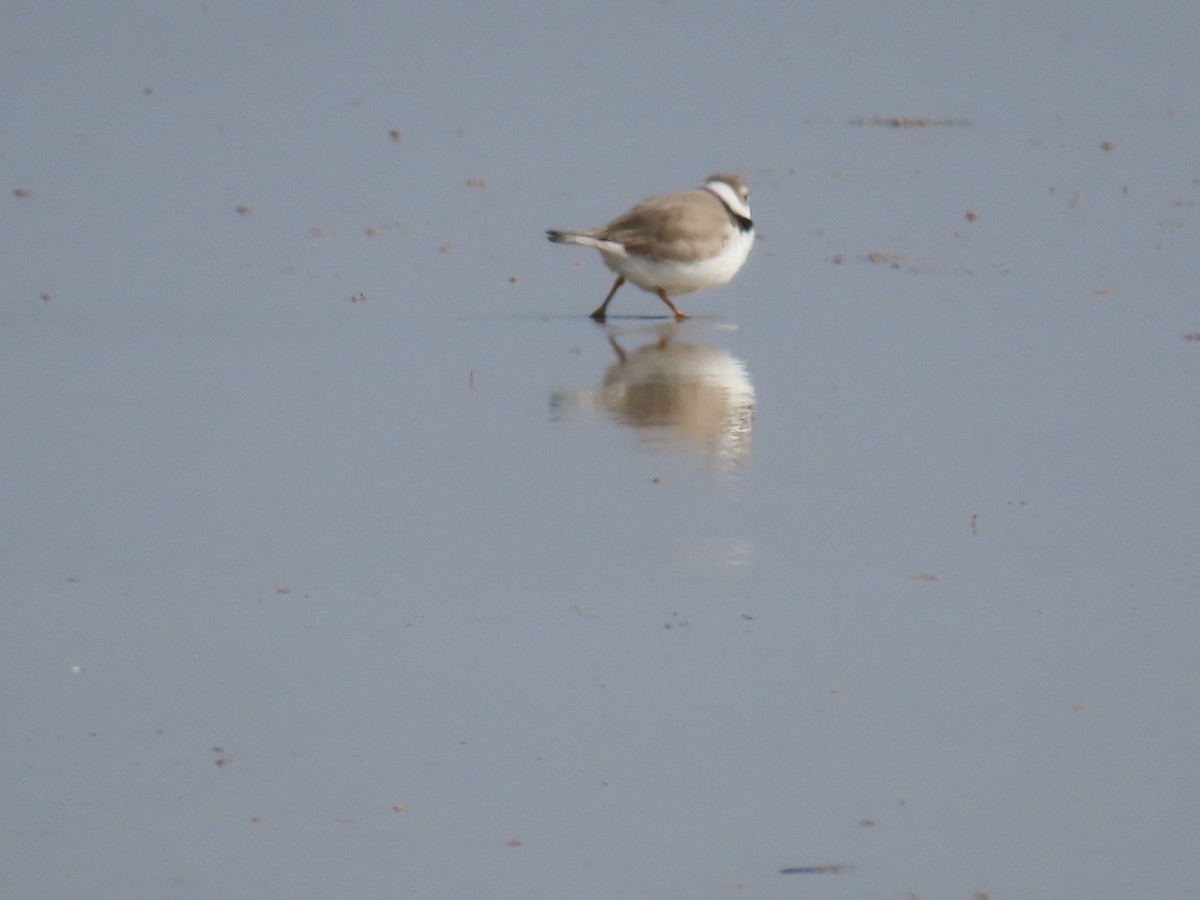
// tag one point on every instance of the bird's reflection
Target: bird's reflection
(681, 395)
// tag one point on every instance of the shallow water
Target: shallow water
(347, 556)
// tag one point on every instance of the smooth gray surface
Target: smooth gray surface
(306, 596)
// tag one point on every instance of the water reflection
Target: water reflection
(680, 395)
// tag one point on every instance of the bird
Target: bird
(676, 243)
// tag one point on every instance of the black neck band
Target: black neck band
(743, 222)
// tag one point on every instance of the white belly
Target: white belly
(676, 277)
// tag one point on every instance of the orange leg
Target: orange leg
(600, 313)
(662, 295)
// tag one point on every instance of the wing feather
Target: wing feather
(685, 225)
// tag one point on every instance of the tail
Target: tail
(584, 239)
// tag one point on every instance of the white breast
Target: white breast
(681, 277)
